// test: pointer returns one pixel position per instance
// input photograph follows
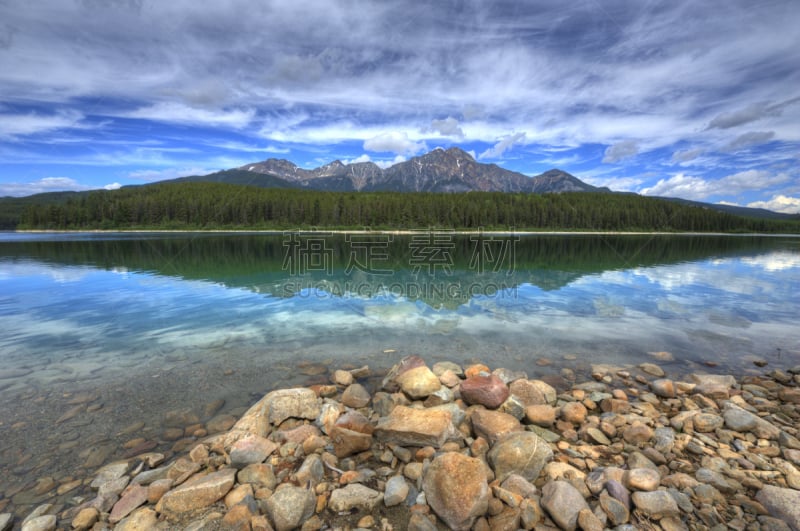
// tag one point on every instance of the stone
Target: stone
(409, 362)
(519, 485)
(663, 388)
(523, 453)
(133, 498)
(354, 496)
(588, 521)
(541, 415)
(637, 433)
(109, 472)
(563, 503)
(617, 512)
(641, 479)
(656, 504)
(290, 506)
(197, 493)
(420, 522)
(141, 520)
(351, 434)
(45, 522)
(457, 490)
(556, 470)
(664, 439)
(343, 378)
(491, 425)
(85, 519)
(259, 475)
(396, 491)
(488, 391)
(406, 426)
(529, 393)
(6, 519)
(738, 419)
(355, 396)
(781, 503)
(507, 520)
(251, 449)
(707, 422)
(618, 491)
(574, 412)
(713, 386)
(418, 382)
(312, 470)
(277, 406)
(297, 435)
(652, 369)
(598, 436)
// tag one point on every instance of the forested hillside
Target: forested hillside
(204, 205)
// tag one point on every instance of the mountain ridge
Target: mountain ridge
(440, 170)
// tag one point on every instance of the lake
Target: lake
(105, 331)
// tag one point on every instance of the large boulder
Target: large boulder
(457, 490)
(522, 453)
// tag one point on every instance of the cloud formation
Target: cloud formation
(394, 142)
(621, 150)
(506, 143)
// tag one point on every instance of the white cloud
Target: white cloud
(388, 163)
(621, 150)
(249, 148)
(680, 185)
(13, 125)
(172, 112)
(779, 203)
(395, 142)
(47, 184)
(686, 155)
(447, 127)
(361, 158)
(113, 186)
(749, 139)
(699, 189)
(506, 143)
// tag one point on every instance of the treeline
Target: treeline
(204, 205)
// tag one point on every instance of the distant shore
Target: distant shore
(400, 232)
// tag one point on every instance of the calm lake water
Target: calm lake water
(155, 321)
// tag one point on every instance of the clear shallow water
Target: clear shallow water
(151, 322)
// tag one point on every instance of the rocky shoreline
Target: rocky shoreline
(455, 447)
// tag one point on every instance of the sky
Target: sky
(681, 98)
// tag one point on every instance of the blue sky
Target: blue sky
(691, 99)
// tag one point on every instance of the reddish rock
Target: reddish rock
(133, 498)
(351, 434)
(488, 391)
(491, 425)
(197, 493)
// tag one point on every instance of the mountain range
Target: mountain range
(441, 170)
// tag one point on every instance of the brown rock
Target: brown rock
(356, 396)
(663, 388)
(418, 382)
(85, 519)
(415, 427)
(488, 391)
(457, 490)
(528, 393)
(574, 412)
(541, 415)
(637, 433)
(475, 370)
(198, 492)
(491, 425)
(523, 453)
(351, 434)
(251, 449)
